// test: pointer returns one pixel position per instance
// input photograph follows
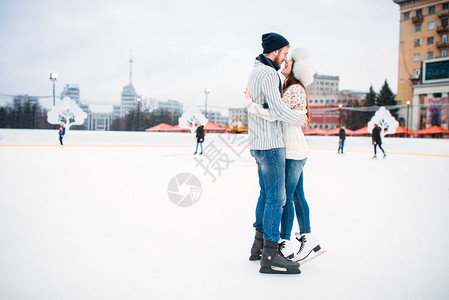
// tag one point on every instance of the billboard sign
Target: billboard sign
(436, 70)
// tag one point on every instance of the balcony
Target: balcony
(415, 80)
(442, 29)
(417, 19)
(444, 13)
(444, 44)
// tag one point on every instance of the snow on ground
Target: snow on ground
(93, 219)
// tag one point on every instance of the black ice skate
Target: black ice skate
(256, 249)
(273, 263)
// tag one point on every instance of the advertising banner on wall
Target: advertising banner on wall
(436, 111)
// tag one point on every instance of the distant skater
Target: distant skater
(341, 141)
(61, 133)
(200, 133)
(377, 140)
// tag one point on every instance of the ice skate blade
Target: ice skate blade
(277, 270)
(311, 256)
(254, 257)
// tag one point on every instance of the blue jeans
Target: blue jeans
(271, 171)
(295, 194)
(341, 144)
(375, 148)
(196, 149)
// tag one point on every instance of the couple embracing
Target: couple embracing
(277, 113)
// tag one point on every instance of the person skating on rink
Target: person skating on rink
(295, 97)
(200, 134)
(61, 132)
(268, 149)
(377, 141)
(341, 139)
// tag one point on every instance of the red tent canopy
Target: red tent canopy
(361, 131)
(432, 130)
(315, 131)
(402, 130)
(176, 128)
(159, 128)
(336, 131)
(214, 127)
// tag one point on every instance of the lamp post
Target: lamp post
(138, 113)
(340, 105)
(206, 92)
(408, 106)
(53, 78)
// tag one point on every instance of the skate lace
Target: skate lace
(281, 246)
(303, 242)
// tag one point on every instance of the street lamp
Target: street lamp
(53, 78)
(408, 106)
(206, 92)
(340, 105)
(138, 112)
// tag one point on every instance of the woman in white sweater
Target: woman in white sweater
(297, 150)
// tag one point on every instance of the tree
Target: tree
(386, 98)
(371, 97)
(3, 117)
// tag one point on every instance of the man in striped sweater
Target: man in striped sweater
(267, 147)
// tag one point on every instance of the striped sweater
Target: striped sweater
(263, 87)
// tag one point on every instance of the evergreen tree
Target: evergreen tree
(3, 117)
(370, 101)
(371, 97)
(386, 98)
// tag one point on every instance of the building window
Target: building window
(417, 72)
(444, 38)
(431, 10)
(430, 40)
(431, 25)
(418, 27)
(417, 42)
(430, 55)
(417, 57)
(419, 12)
(445, 5)
(444, 22)
(321, 101)
(406, 15)
(443, 53)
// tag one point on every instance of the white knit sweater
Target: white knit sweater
(296, 146)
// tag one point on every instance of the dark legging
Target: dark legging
(60, 138)
(380, 146)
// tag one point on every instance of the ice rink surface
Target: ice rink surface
(93, 219)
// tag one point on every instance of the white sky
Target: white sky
(181, 47)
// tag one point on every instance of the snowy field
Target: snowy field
(94, 219)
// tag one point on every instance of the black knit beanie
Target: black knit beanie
(272, 42)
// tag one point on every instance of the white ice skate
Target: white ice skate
(286, 248)
(309, 248)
